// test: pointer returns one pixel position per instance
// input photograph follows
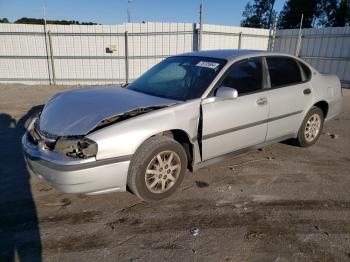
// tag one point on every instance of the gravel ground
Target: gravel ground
(281, 203)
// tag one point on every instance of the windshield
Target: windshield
(179, 77)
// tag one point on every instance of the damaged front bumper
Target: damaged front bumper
(70, 175)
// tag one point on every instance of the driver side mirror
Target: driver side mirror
(225, 92)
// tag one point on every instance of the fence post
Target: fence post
(126, 58)
(239, 40)
(195, 41)
(272, 38)
(47, 53)
(200, 27)
(52, 58)
(298, 45)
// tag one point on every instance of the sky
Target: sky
(222, 12)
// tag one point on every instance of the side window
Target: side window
(245, 76)
(283, 71)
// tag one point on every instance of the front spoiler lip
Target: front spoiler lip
(60, 162)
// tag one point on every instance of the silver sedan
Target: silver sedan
(184, 113)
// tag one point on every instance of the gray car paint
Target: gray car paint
(77, 112)
(124, 138)
(219, 143)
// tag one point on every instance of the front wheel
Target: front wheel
(311, 127)
(157, 168)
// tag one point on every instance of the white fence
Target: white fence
(327, 49)
(77, 54)
(106, 54)
(231, 37)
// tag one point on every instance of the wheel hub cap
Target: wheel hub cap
(163, 171)
(312, 128)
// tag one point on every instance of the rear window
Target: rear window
(283, 71)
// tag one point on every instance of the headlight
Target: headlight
(76, 147)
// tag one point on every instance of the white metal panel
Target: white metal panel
(327, 49)
(80, 51)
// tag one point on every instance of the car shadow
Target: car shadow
(19, 227)
(290, 142)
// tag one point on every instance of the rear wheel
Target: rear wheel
(311, 127)
(157, 168)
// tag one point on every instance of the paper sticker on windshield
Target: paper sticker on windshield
(208, 64)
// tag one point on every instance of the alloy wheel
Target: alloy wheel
(312, 128)
(162, 172)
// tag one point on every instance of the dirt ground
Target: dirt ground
(281, 203)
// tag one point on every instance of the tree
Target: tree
(290, 15)
(326, 12)
(260, 14)
(316, 13)
(25, 20)
(342, 14)
(4, 21)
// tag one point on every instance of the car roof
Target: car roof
(230, 54)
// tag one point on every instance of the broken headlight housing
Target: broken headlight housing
(80, 147)
(29, 123)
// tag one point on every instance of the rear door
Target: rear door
(289, 96)
(230, 125)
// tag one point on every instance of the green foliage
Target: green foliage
(342, 15)
(326, 12)
(290, 15)
(260, 14)
(4, 21)
(320, 13)
(25, 20)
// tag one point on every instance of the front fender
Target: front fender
(123, 138)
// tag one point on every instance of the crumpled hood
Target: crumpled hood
(79, 111)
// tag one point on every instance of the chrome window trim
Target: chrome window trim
(266, 78)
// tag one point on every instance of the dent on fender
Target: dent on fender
(127, 115)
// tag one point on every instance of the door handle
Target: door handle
(261, 101)
(307, 91)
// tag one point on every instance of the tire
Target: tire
(308, 138)
(162, 178)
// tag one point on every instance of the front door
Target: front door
(230, 125)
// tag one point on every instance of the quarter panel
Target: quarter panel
(328, 88)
